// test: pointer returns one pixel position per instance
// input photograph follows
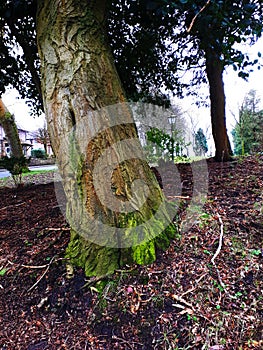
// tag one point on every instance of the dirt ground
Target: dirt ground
(204, 292)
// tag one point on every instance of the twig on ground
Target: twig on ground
(220, 239)
(35, 266)
(42, 276)
(182, 197)
(193, 288)
(56, 229)
(53, 229)
(94, 280)
(126, 342)
(218, 251)
(183, 301)
(13, 205)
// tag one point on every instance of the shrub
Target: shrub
(38, 153)
(16, 166)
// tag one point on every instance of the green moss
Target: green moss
(97, 260)
(162, 241)
(142, 239)
(94, 259)
(144, 254)
(8, 115)
(77, 160)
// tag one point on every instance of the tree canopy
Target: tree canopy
(217, 26)
(160, 41)
(155, 41)
(19, 61)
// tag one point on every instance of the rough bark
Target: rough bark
(214, 70)
(79, 79)
(8, 123)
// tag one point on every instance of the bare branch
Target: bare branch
(193, 20)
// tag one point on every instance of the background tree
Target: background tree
(200, 146)
(207, 42)
(189, 35)
(8, 123)
(162, 145)
(42, 137)
(248, 132)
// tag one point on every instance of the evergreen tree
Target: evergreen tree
(247, 134)
(200, 146)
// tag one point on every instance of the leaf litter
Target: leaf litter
(204, 292)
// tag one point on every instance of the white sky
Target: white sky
(21, 111)
(235, 91)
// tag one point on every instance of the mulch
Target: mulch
(204, 292)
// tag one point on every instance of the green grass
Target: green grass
(30, 176)
(36, 172)
(30, 173)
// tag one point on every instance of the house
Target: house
(29, 141)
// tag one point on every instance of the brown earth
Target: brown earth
(199, 294)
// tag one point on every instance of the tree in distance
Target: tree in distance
(200, 146)
(248, 131)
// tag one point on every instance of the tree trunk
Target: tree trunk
(114, 219)
(214, 70)
(8, 123)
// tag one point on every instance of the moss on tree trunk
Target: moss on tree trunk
(115, 206)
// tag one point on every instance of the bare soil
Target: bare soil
(199, 294)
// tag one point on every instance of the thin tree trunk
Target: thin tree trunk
(79, 79)
(214, 70)
(8, 123)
